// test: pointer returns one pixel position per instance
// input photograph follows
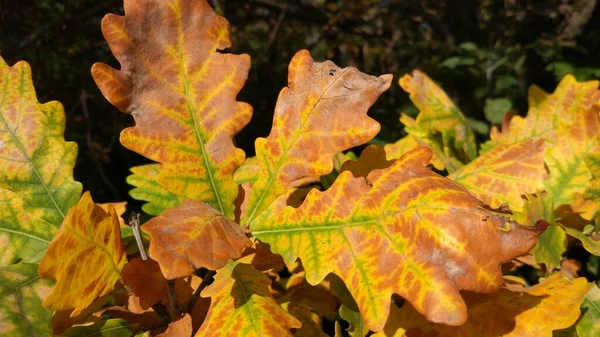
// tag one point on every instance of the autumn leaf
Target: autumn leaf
(525, 312)
(320, 113)
(21, 295)
(145, 280)
(241, 305)
(35, 161)
(372, 157)
(147, 188)
(426, 234)
(437, 114)
(505, 173)
(348, 309)
(192, 236)
(180, 328)
(85, 257)
(592, 161)
(181, 92)
(310, 305)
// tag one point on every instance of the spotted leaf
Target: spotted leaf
(407, 231)
(241, 305)
(181, 92)
(192, 236)
(320, 113)
(85, 257)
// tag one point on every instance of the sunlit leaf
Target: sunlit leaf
(181, 92)
(241, 305)
(505, 173)
(320, 113)
(592, 162)
(21, 295)
(511, 312)
(192, 236)
(147, 188)
(438, 115)
(407, 231)
(591, 243)
(179, 328)
(550, 246)
(85, 257)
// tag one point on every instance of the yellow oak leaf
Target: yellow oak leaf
(439, 115)
(85, 257)
(191, 236)
(408, 231)
(241, 305)
(181, 92)
(505, 173)
(320, 113)
(513, 311)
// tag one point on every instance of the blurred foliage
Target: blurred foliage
(484, 53)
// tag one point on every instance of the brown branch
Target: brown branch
(207, 278)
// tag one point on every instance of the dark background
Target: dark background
(485, 54)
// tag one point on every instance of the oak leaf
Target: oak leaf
(85, 257)
(158, 199)
(505, 173)
(181, 92)
(426, 234)
(320, 113)
(371, 158)
(525, 312)
(192, 236)
(439, 115)
(241, 305)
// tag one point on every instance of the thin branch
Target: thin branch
(207, 278)
(134, 222)
(171, 301)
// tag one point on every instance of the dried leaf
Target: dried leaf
(426, 234)
(85, 257)
(21, 295)
(147, 188)
(505, 173)
(437, 114)
(320, 113)
(181, 91)
(525, 312)
(193, 236)
(241, 305)
(145, 280)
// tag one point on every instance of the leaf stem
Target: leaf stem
(205, 280)
(171, 300)
(134, 222)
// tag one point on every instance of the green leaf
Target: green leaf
(589, 322)
(495, 108)
(550, 247)
(107, 328)
(21, 294)
(147, 188)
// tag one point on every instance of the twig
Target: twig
(171, 300)
(134, 222)
(277, 26)
(207, 278)
(90, 143)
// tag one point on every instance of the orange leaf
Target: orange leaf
(505, 173)
(241, 305)
(513, 311)
(372, 158)
(85, 257)
(181, 92)
(180, 328)
(191, 236)
(145, 280)
(320, 113)
(410, 232)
